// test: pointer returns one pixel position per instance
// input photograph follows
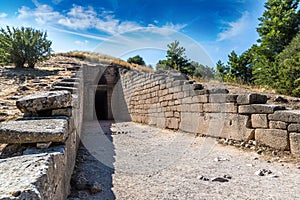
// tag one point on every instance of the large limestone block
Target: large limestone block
(252, 98)
(294, 128)
(259, 109)
(292, 116)
(223, 98)
(259, 121)
(274, 138)
(295, 144)
(44, 101)
(220, 107)
(189, 122)
(33, 131)
(172, 123)
(227, 125)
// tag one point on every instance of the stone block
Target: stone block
(275, 138)
(200, 99)
(295, 144)
(189, 122)
(277, 125)
(62, 112)
(291, 116)
(172, 123)
(259, 121)
(161, 122)
(259, 109)
(218, 91)
(294, 128)
(169, 114)
(223, 98)
(220, 108)
(187, 100)
(226, 125)
(185, 107)
(44, 101)
(252, 98)
(33, 131)
(197, 107)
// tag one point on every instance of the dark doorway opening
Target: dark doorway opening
(101, 105)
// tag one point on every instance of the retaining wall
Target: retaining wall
(47, 137)
(169, 101)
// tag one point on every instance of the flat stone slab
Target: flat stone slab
(252, 98)
(286, 116)
(259, 109)
(44, 101)
(33, 131)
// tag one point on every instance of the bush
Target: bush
(24, 45)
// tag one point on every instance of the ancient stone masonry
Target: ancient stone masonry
(49, 133)
(170, 101)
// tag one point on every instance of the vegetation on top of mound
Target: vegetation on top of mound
(23, 46)
(176, 59)
(274, 61)
(97, 58)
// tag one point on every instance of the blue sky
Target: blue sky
(208, 29)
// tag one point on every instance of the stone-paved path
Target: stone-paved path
(142, 162)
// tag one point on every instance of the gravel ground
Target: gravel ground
(132, 161)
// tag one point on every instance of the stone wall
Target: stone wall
(170, 101)
(47, 138)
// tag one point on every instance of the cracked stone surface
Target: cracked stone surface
(151, 163)
(33, 131)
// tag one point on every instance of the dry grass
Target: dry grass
(97, 58)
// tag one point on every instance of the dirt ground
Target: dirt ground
(134, 161)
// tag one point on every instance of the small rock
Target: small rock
(95, 188)
(263, 172)
(81, 182)
(259, 151)
(83, 195)
(203, 178)
(220, 179)
(217, 159)
(23, 88)
(280, 99)
(227, 176)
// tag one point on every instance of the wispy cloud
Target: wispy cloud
(83, 18)
(235, 28)
(175, 27)
(3, 15)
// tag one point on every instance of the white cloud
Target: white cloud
(81, 43)
(3, 15)
(175, 27)
(82, 18)
(235, 28)
(42, 14)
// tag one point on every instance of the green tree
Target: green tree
(176, 59)
(277, 27)
(203, 72)
(24, 45)
(288, 80)
(137, 60)
(222, 70)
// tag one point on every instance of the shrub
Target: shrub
(24, 45)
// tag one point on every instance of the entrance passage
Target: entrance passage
(101, 105)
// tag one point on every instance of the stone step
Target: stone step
(58, 88)
(70, 80)
(34, 131)
(66, 84)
